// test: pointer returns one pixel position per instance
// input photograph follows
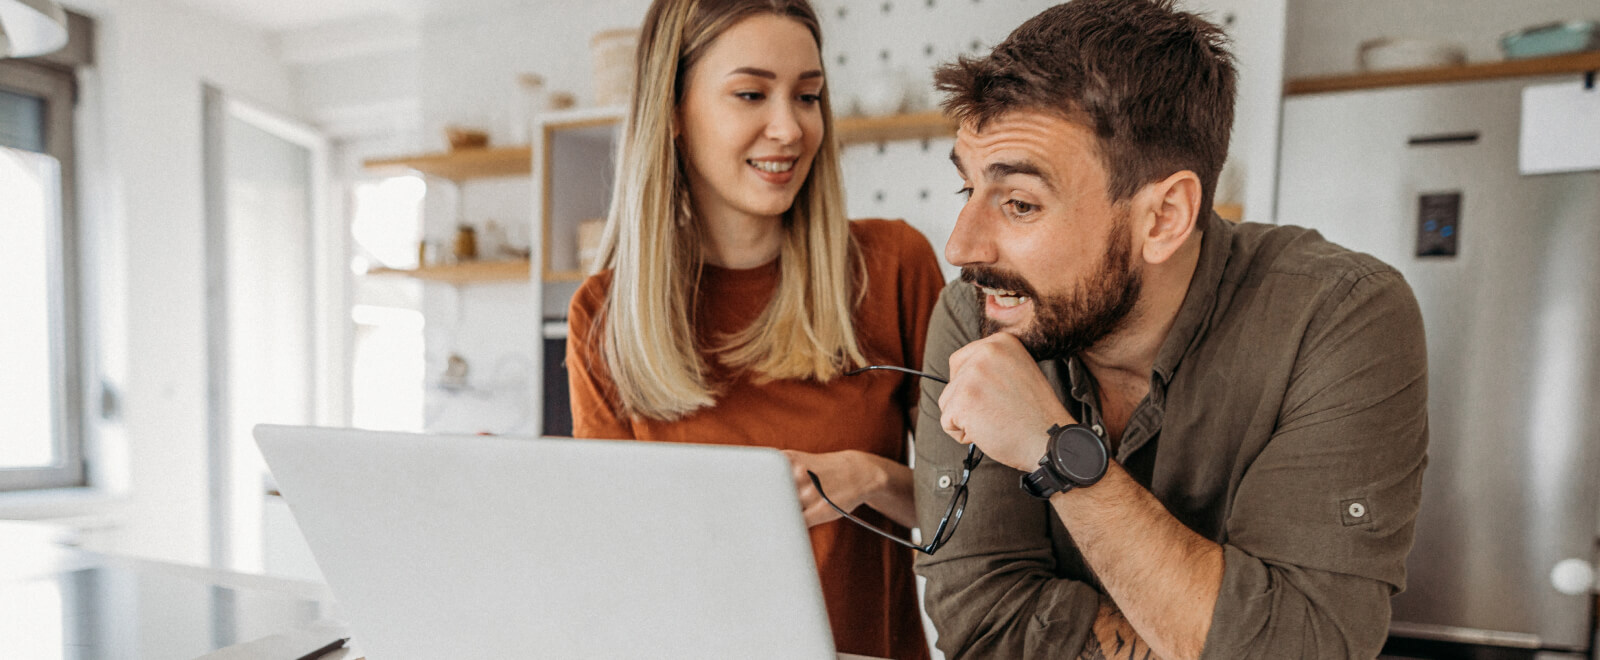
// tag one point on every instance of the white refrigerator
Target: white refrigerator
(1507, 271)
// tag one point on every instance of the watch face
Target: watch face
(1080, 455)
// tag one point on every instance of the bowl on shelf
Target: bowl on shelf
(1390, 54)
(1551, 39)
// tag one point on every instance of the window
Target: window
(41, 403)
(388, 368)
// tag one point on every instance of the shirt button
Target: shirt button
(944, 481)
(1357, 510)
(1097, 430)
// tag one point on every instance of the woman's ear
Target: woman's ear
(1171, 213)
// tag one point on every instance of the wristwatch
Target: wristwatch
(1075, 457)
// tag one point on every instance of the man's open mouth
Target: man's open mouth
(1003, 297)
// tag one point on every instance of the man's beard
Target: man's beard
(1070, 324)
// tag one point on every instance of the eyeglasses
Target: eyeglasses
(958, 501)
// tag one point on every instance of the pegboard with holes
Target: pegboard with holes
(907, 179)
(870, 44)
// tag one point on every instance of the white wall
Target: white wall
(357, 79)
(140, 128)
(1324, 35)
(1257, 28)
(470, 62)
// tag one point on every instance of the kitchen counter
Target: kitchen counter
(59, 602)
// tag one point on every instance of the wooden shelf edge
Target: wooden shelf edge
(517, 160)
(462, 164)
(918, 125)
(467, 272)
(564, 276)
(1533, 66)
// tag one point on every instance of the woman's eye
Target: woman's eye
(965, 193)
(750, 96)
(811, 98)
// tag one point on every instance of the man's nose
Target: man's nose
(971, 242)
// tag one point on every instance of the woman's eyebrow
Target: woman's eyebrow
(763, 73)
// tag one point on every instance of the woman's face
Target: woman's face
(750, 121)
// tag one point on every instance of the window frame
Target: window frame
(57, 86)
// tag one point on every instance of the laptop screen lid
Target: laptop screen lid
(488, 547)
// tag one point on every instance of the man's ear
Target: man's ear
(1170, 212)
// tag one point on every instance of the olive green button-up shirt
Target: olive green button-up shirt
(1286, 421)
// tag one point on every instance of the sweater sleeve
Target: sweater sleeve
(594, 411)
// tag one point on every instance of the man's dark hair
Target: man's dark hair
(1156, 86)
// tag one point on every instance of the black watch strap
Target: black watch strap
(1042, 483)
(1048, 480)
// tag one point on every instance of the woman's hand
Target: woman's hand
(852, 478)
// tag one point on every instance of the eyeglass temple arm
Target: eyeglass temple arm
(890, 367)
(815, 481)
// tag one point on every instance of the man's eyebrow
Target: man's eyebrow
(1002, 170)
(763, 73)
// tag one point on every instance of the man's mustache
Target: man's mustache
(996, 278)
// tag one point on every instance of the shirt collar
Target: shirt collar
(1194, 315)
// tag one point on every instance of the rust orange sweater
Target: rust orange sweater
(867, 581)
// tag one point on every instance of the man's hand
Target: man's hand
(1114, 638)
(999, 400)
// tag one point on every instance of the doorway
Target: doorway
(276, 348)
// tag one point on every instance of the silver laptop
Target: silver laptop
(484, 547)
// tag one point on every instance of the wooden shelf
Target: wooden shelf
(930, 124)
(466, 272)
(564, 276)
(1533, 66)
(463, 164)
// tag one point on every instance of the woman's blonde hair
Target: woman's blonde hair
(652, 242)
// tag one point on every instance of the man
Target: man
(1260, 392)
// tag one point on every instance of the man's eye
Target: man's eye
(1021, 207)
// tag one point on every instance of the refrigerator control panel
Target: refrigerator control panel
(1438, 224)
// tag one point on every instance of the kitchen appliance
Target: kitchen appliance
(1510, 293)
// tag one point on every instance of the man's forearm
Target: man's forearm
(1162, 575)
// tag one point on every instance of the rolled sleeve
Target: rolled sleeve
(1323, 517)
(993, 591)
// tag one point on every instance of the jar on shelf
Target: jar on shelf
(613, 55)
(466, 245)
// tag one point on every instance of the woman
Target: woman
(734, 294)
